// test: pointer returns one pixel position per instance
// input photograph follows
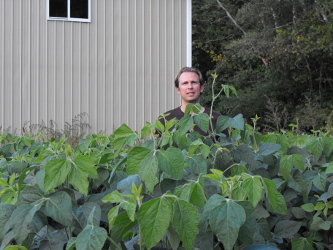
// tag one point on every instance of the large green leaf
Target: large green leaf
(121, 225)
(185, 221)
(225, 221)
(328, 146)
(154, 218)
(302, 244)
(275, 200)
(212, 202)
(82, 168)
(91, 238)
(144, 162)
(287, 162)
(21, 217)
(171, 161)
(82, 213)
(202, 121)
(315, 146)
(192, 192)
(253, 187)
(185, 124)
(320, 180)
(56, 172)
(247, 230)
(222, 123)
(268, 148)
(287, 228)
(197, 163)
(58, 206)
(5, 212)
(237, 122)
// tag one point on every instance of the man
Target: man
(189, 85)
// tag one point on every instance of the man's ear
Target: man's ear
(177, 89)
(202, 88)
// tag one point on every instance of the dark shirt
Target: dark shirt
(178, 114)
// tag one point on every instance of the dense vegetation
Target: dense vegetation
(277, 54)
(176, 189)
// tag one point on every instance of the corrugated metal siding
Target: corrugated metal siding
(118, 69)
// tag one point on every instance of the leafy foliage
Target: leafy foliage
(174, 188)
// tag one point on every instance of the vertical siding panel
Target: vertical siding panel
(134, 107)
(93, 78)
(76, 70)
(139, 62)
(117, 56)
(109, 66)
(8, 66)
(16, 97)
(69, 69)
(84, 80)
(2, 58)
(24, 59)
(43, 58)
(33, 66)
(154, 54)
(147, 64)
(101, 66)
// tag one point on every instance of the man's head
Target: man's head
(188, 69)
(189, 85)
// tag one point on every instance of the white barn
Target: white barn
(115, 60)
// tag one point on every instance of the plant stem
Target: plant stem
(114, 243)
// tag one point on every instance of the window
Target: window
(68, 10)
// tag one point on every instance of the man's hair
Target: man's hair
(188, 69)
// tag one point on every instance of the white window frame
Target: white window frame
(68, 18)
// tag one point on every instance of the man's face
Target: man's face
(189, 88)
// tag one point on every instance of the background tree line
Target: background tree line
(278, 54)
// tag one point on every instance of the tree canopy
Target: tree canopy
(277, 54)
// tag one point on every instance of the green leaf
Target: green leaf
(329, 168)
(185, 222)
(319, 181)
(112, 215)
(268, 148)
(237, 122)
(246, 232)
(222, 123)
(192, 192)
(58, 206)
(287, 228)
(142, 161)
(154, 218)
(309, 207)
(171, 161)
(124, 131)
(197, 163)
(225, 221)
(315, 146)
(114, 197)
(328, 146)
(5, 212)
(302, 244)
(275, 200)
(121, 225)
(185, 124)
(202, 121)
(253, 187)
(86, 165)
(130, 207)
(82, 213)
(56, 172)
(21, 217)
(91, 238)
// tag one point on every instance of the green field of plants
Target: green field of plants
(173, 190)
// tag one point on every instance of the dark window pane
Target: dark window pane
(79, 8)
(58, 8)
